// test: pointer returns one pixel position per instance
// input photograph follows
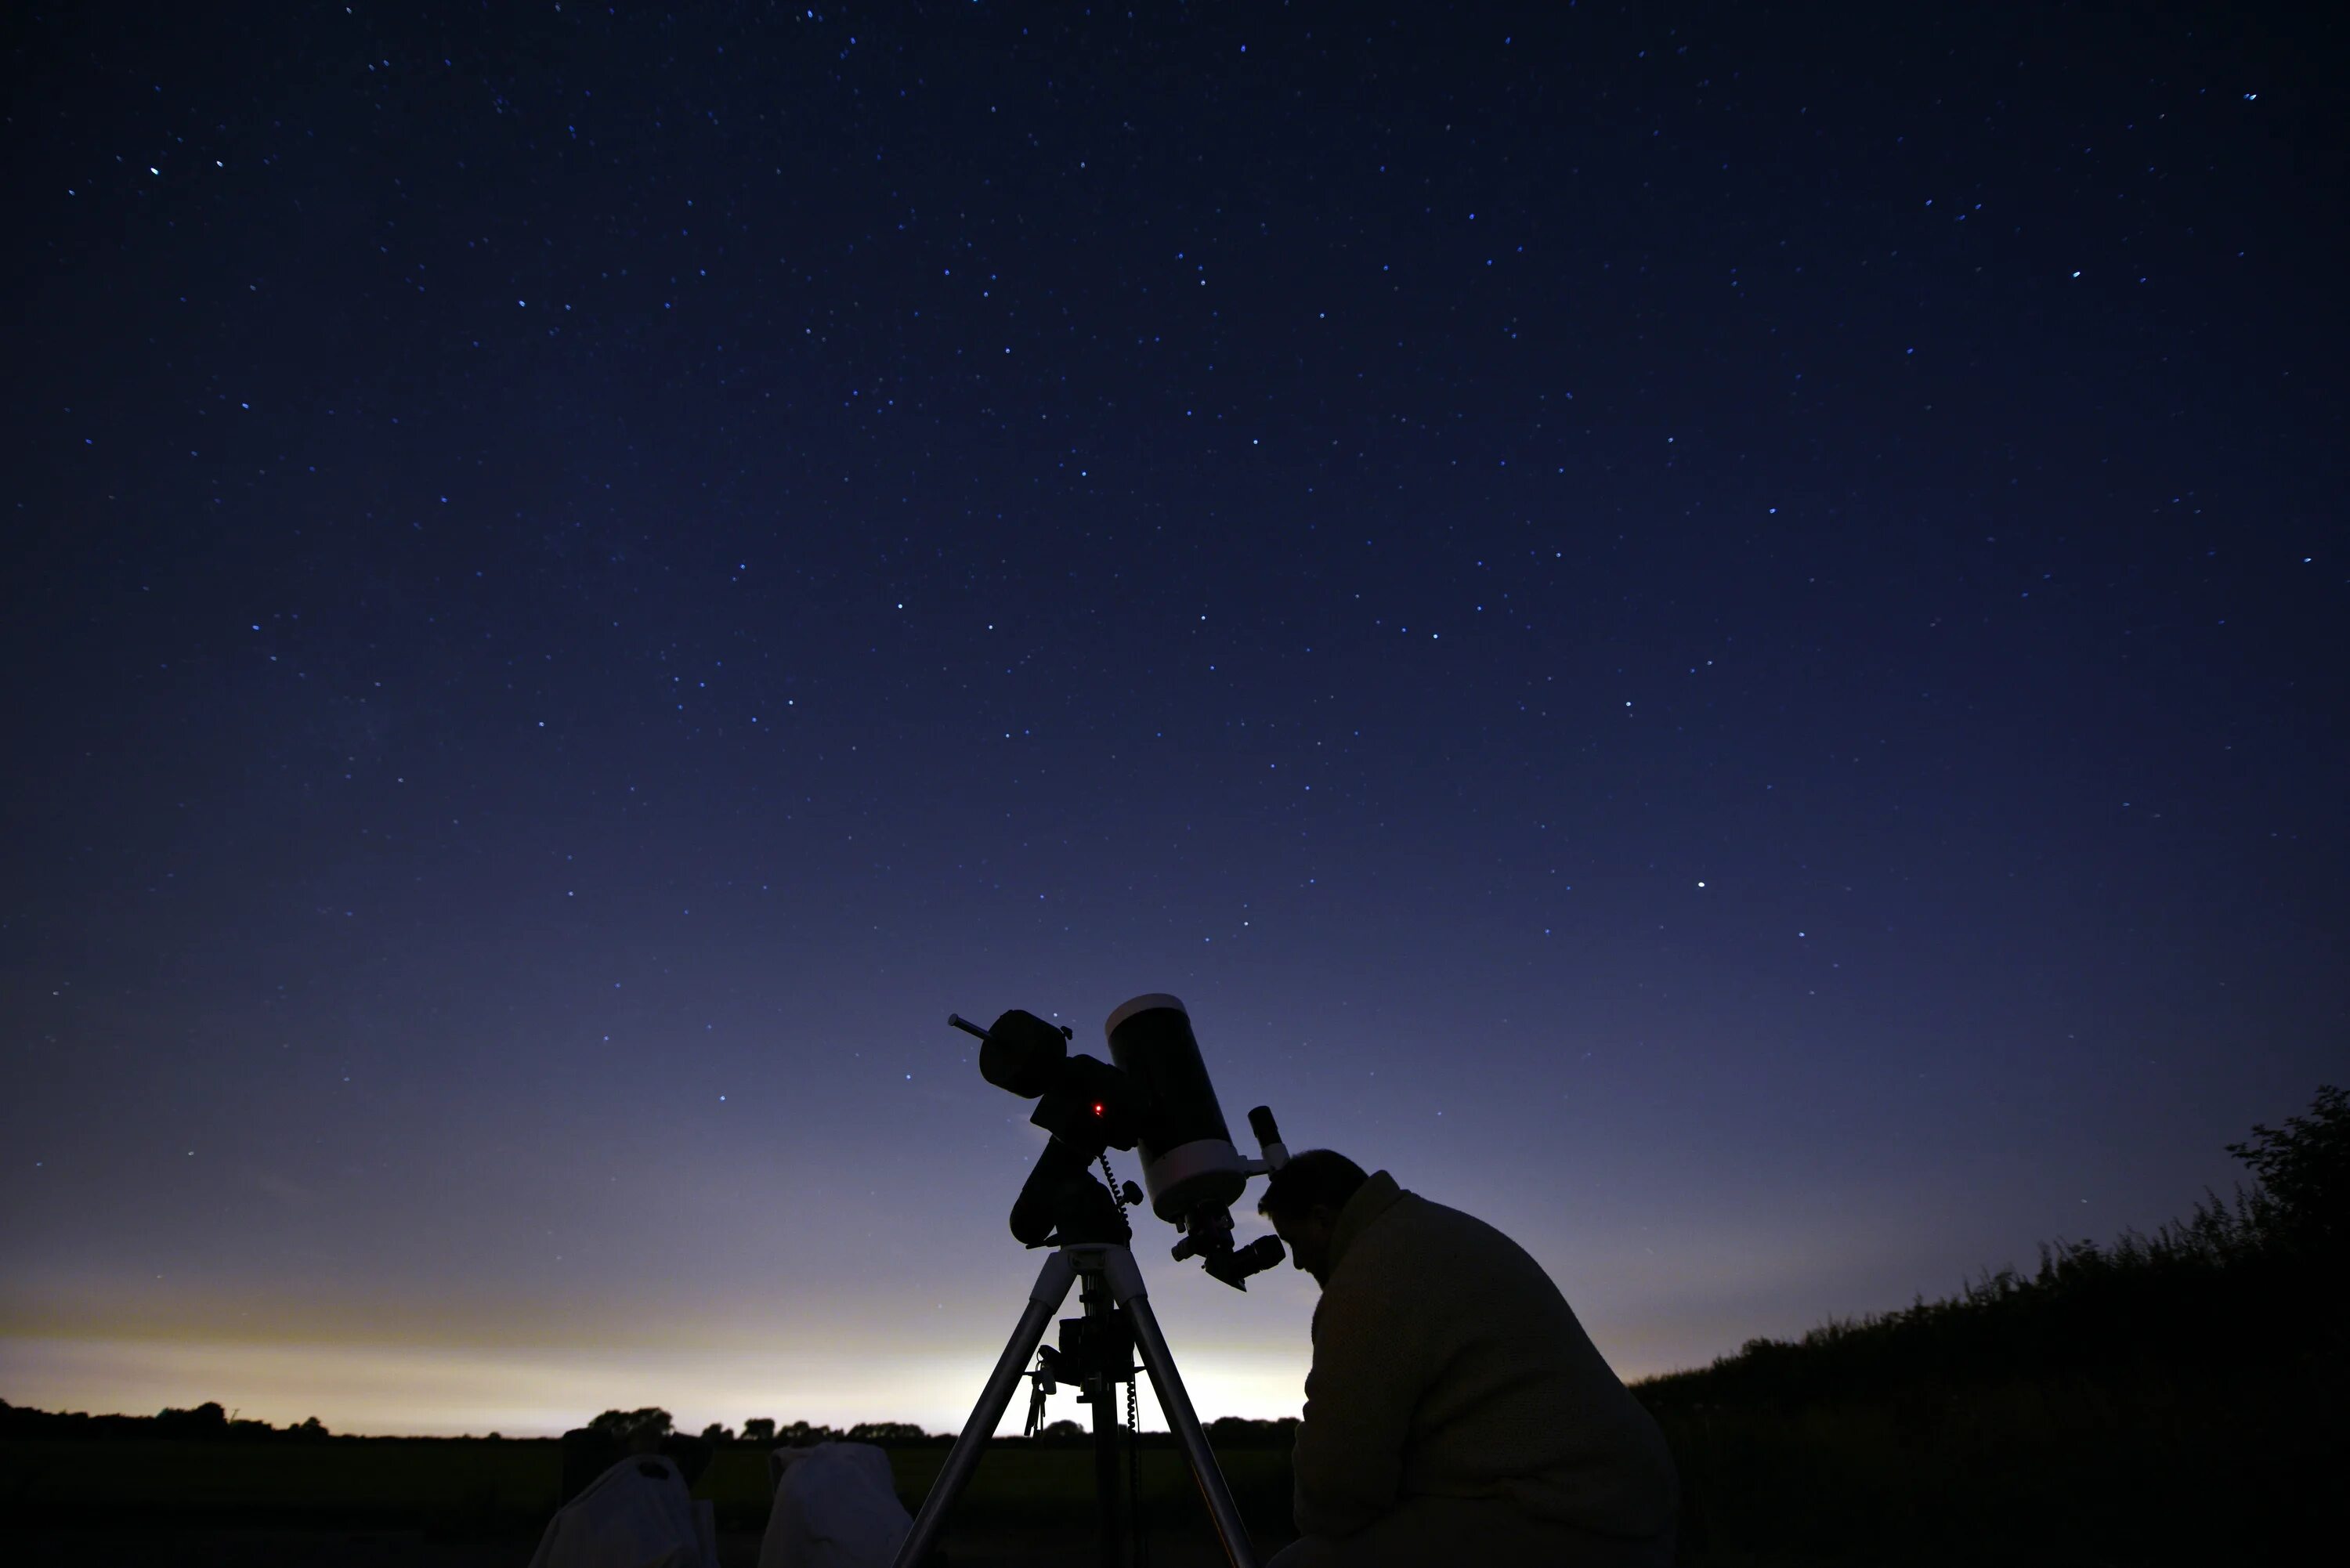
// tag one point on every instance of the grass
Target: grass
(466, 1487)
(447, 1484)
(2174, 1397)
(1025, 1486)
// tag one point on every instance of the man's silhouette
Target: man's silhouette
(1456, 1411)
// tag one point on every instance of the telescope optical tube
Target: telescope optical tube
(1188, 1158)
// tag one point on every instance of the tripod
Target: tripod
(1097, 1253)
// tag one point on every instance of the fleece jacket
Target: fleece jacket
(1446, 1364)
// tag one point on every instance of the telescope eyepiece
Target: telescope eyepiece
(1234, 1267)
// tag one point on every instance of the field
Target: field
(2020, 1473)
(414, 1503)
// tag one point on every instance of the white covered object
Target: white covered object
(638, 1514)
(836, 1506)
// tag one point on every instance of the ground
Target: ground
(99, 1547)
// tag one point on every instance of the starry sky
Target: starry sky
(1712, 632)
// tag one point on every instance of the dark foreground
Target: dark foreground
(260, 1547)
(455, 1503)
(2001, 1475)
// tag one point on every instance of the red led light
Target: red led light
(1097, 1107)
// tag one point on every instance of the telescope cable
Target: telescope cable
(1133, 1414)
(1134, 1475)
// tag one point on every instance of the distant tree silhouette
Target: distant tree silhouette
(759, 1430)
(206, 1420)
(715, 1433)
(589, 1450)
(2303, 1171)
(800, 1435)
(653, 1419)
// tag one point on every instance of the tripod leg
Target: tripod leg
(1044, 1298)
(1101, 1392)
(1125, 1280)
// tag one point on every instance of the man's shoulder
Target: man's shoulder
(1421, 1233)
(1402, 1224)
(1412, 1213)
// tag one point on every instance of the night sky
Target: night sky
(1713, 633)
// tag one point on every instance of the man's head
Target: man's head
(1302, 1200)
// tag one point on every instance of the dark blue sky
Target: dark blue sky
(1713, 635)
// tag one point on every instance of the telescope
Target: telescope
(1154, 1093)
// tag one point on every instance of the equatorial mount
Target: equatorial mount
(1156, 1095)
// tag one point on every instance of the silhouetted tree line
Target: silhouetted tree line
(654, 1427)
(207, 1422)
(648, 1429)
(1227, 1431)
(764, 1430)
